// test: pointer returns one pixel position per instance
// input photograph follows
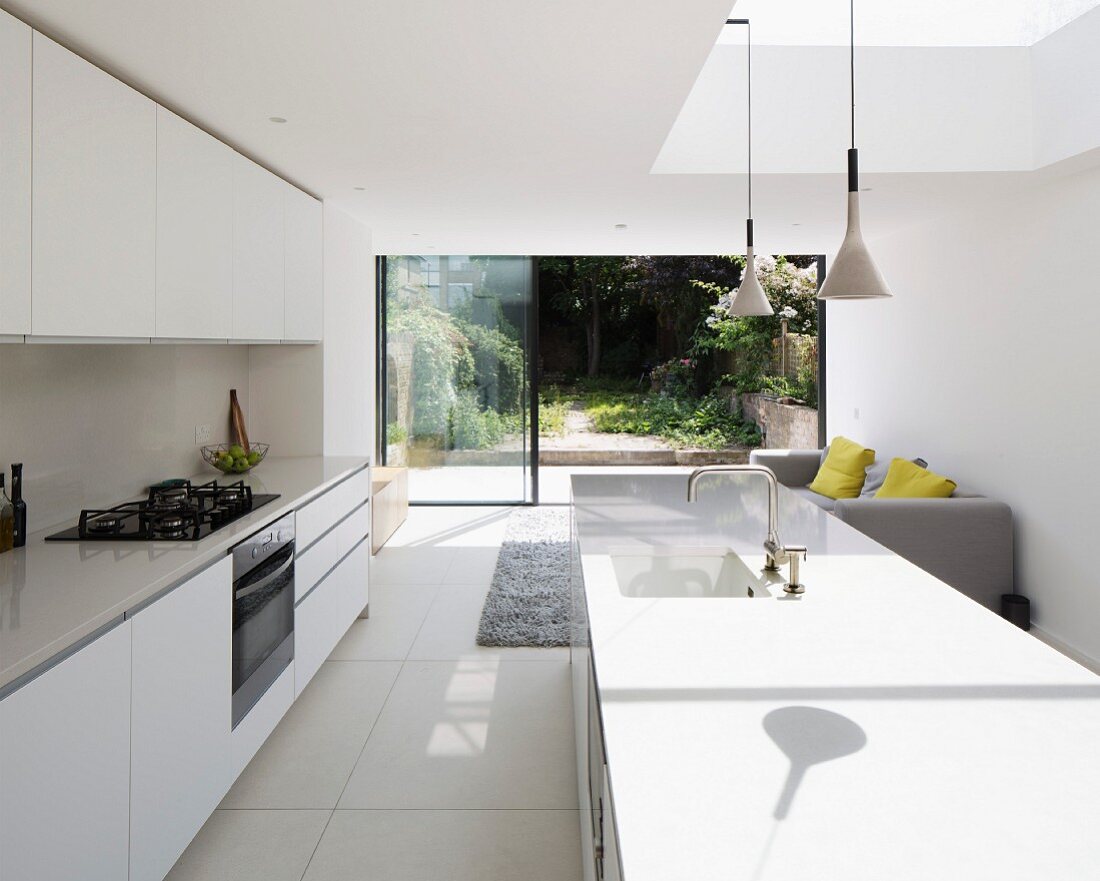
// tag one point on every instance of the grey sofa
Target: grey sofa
(964, 540)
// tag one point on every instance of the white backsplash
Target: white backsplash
(95, 424)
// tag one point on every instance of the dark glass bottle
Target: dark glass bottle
(19, 528)
(7, 519)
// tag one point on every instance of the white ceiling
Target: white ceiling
(476, 126)
(897, 23)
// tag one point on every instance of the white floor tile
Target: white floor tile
(252, 846)
(449, 631)
(473, 566)
(409, 565)
(308, 758)
(471, 734)
(449, 846)
(396, 613)
(467, 526)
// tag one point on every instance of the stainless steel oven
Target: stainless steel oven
(263, 612)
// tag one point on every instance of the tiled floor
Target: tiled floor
(414, 755)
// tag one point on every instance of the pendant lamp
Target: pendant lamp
(853, 275)
(750, 298)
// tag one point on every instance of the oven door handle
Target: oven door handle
(267, 579)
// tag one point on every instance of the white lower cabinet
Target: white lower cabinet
(181, 718)
(324, 615)
(65, 768)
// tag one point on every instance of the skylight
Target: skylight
(898, 23)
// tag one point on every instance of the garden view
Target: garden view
(628, 346)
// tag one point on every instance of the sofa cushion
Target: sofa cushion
(906, 480)
(876, 474)
(804, 492)
(842, 474)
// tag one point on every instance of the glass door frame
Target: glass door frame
(531, 375)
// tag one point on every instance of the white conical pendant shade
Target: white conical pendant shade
(750, 298)
(853, 275)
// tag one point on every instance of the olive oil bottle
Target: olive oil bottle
(7, 519)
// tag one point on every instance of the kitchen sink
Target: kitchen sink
(701, 573)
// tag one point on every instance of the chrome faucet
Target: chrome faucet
(777, 552)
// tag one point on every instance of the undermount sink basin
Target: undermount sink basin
(702, 573)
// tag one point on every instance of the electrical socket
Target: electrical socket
(203, 434)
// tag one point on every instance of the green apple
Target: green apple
(253, 458)
(236, 451)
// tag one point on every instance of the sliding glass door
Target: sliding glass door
(457, 343)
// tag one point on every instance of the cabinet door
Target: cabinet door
(315, 626)
(258, 246)
(354, 587)
(94, 199)
(324, 616)
(610, 854)
(303, 277)
(65, 768)
(194, 231)
(181, 763)
(15, 175)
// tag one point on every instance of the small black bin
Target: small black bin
(1017, 609)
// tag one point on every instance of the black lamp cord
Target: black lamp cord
(853, 156)
(748, 55)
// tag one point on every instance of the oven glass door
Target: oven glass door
(263, 628)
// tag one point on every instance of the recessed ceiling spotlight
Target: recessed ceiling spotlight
(620, 226)
(359, 189)
(796, 224)
(415, 234)
(865, 189)
(279, 119)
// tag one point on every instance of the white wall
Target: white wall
(349, 347)
(1066, 88)
(95, 425)
(285, 403)
(984, 364)
(319, 400)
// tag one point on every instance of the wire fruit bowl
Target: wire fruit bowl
(230, 458)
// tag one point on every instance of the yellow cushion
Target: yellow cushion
(907, 480)
(842, 473)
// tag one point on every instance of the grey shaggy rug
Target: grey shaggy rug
(529, 602)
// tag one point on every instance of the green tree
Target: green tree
(590, 290)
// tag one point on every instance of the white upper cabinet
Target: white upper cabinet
(304, 275)
(258, 252)
(15, 175)
(94, 200)
(194, 231)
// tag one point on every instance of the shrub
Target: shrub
(471, 428)
(396, 434)
(683, 421)
(552, 410)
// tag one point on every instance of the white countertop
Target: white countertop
(54, 594)
(973, 750)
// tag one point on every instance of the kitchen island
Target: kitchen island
(879, 726)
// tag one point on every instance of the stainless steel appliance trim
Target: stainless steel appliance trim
(261, 680)
(252, 588)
